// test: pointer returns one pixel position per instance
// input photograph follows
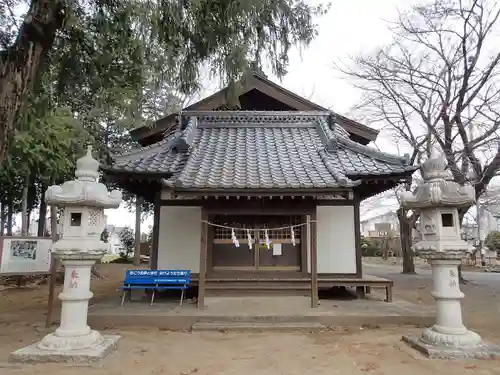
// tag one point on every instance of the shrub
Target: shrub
(492, 240)
(128, 242)
(369, 247)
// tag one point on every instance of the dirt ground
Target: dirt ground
(150, 351)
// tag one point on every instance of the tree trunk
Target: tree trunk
(24, 207)
(2, 218)
(405, 231)
(137, 251)
(42, 213)
(461, 278)
(53, 265)
(29, 220)
(10, 214)
(20, 63)
(385, 249)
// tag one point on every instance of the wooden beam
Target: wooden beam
(203, 259)
(261, 207)
(237, 202)
(153, 256)
(314, 253)
(303, 247)
(357, 237)
(255, 193)
(311, 244)
(137, 250)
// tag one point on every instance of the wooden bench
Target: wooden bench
(363, 285)
(156, 280)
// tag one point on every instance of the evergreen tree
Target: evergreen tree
(226, 36)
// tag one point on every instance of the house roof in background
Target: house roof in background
(114, 229)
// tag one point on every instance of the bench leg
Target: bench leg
(368, 289)
(388, 293)
(182, 297)
(153, 297)
(360, 291)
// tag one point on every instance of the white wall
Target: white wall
(335, 239)
(115, 245)
(179, 238)
(369, 225)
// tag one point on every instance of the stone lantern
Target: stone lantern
(438, 199)
(83, 200)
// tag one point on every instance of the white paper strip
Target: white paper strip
(249, 238)
(277, 250)
(235, 239)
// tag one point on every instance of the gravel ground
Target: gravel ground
(349, 352)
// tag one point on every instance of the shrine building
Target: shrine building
(265, 197)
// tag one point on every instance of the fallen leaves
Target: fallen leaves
(369, 367)
(189, 372)
(470, 366)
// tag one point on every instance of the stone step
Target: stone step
(258, 326)
(257, 286)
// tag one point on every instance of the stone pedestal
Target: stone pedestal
(448, 338)
(73, 332)
(449, 330)
(73, 341)
(84, 200)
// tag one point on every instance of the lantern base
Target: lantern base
(483, 350)
(33, 354)
(53, 341)
(466, 340)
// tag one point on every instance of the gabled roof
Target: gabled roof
(361, 133)
(260, 150)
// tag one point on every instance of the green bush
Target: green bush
(369, 247)
(492, 240)
(127, 240)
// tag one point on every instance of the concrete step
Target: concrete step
(249, 292)
(258, 326)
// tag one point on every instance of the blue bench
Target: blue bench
(156, 280)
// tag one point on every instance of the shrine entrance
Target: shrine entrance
(257, 243)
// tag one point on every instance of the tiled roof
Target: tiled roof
(260, 150)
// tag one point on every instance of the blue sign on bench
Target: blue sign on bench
(156, 280)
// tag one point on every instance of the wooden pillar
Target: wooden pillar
(137, 249)
(203, 259)
(314, 255)
(357, 237)
(153, 254)
(311, 244)
(304, 248)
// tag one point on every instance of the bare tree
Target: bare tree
(437, 84)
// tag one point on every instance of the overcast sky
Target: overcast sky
(349, 28)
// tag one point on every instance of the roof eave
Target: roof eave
(117, 172)
(383, 176)
(262, 192)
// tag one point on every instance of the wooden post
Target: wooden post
(153, 254)
(203, 259)
(137, 250)
(53, 267)
(314, 255)
(311, 244)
